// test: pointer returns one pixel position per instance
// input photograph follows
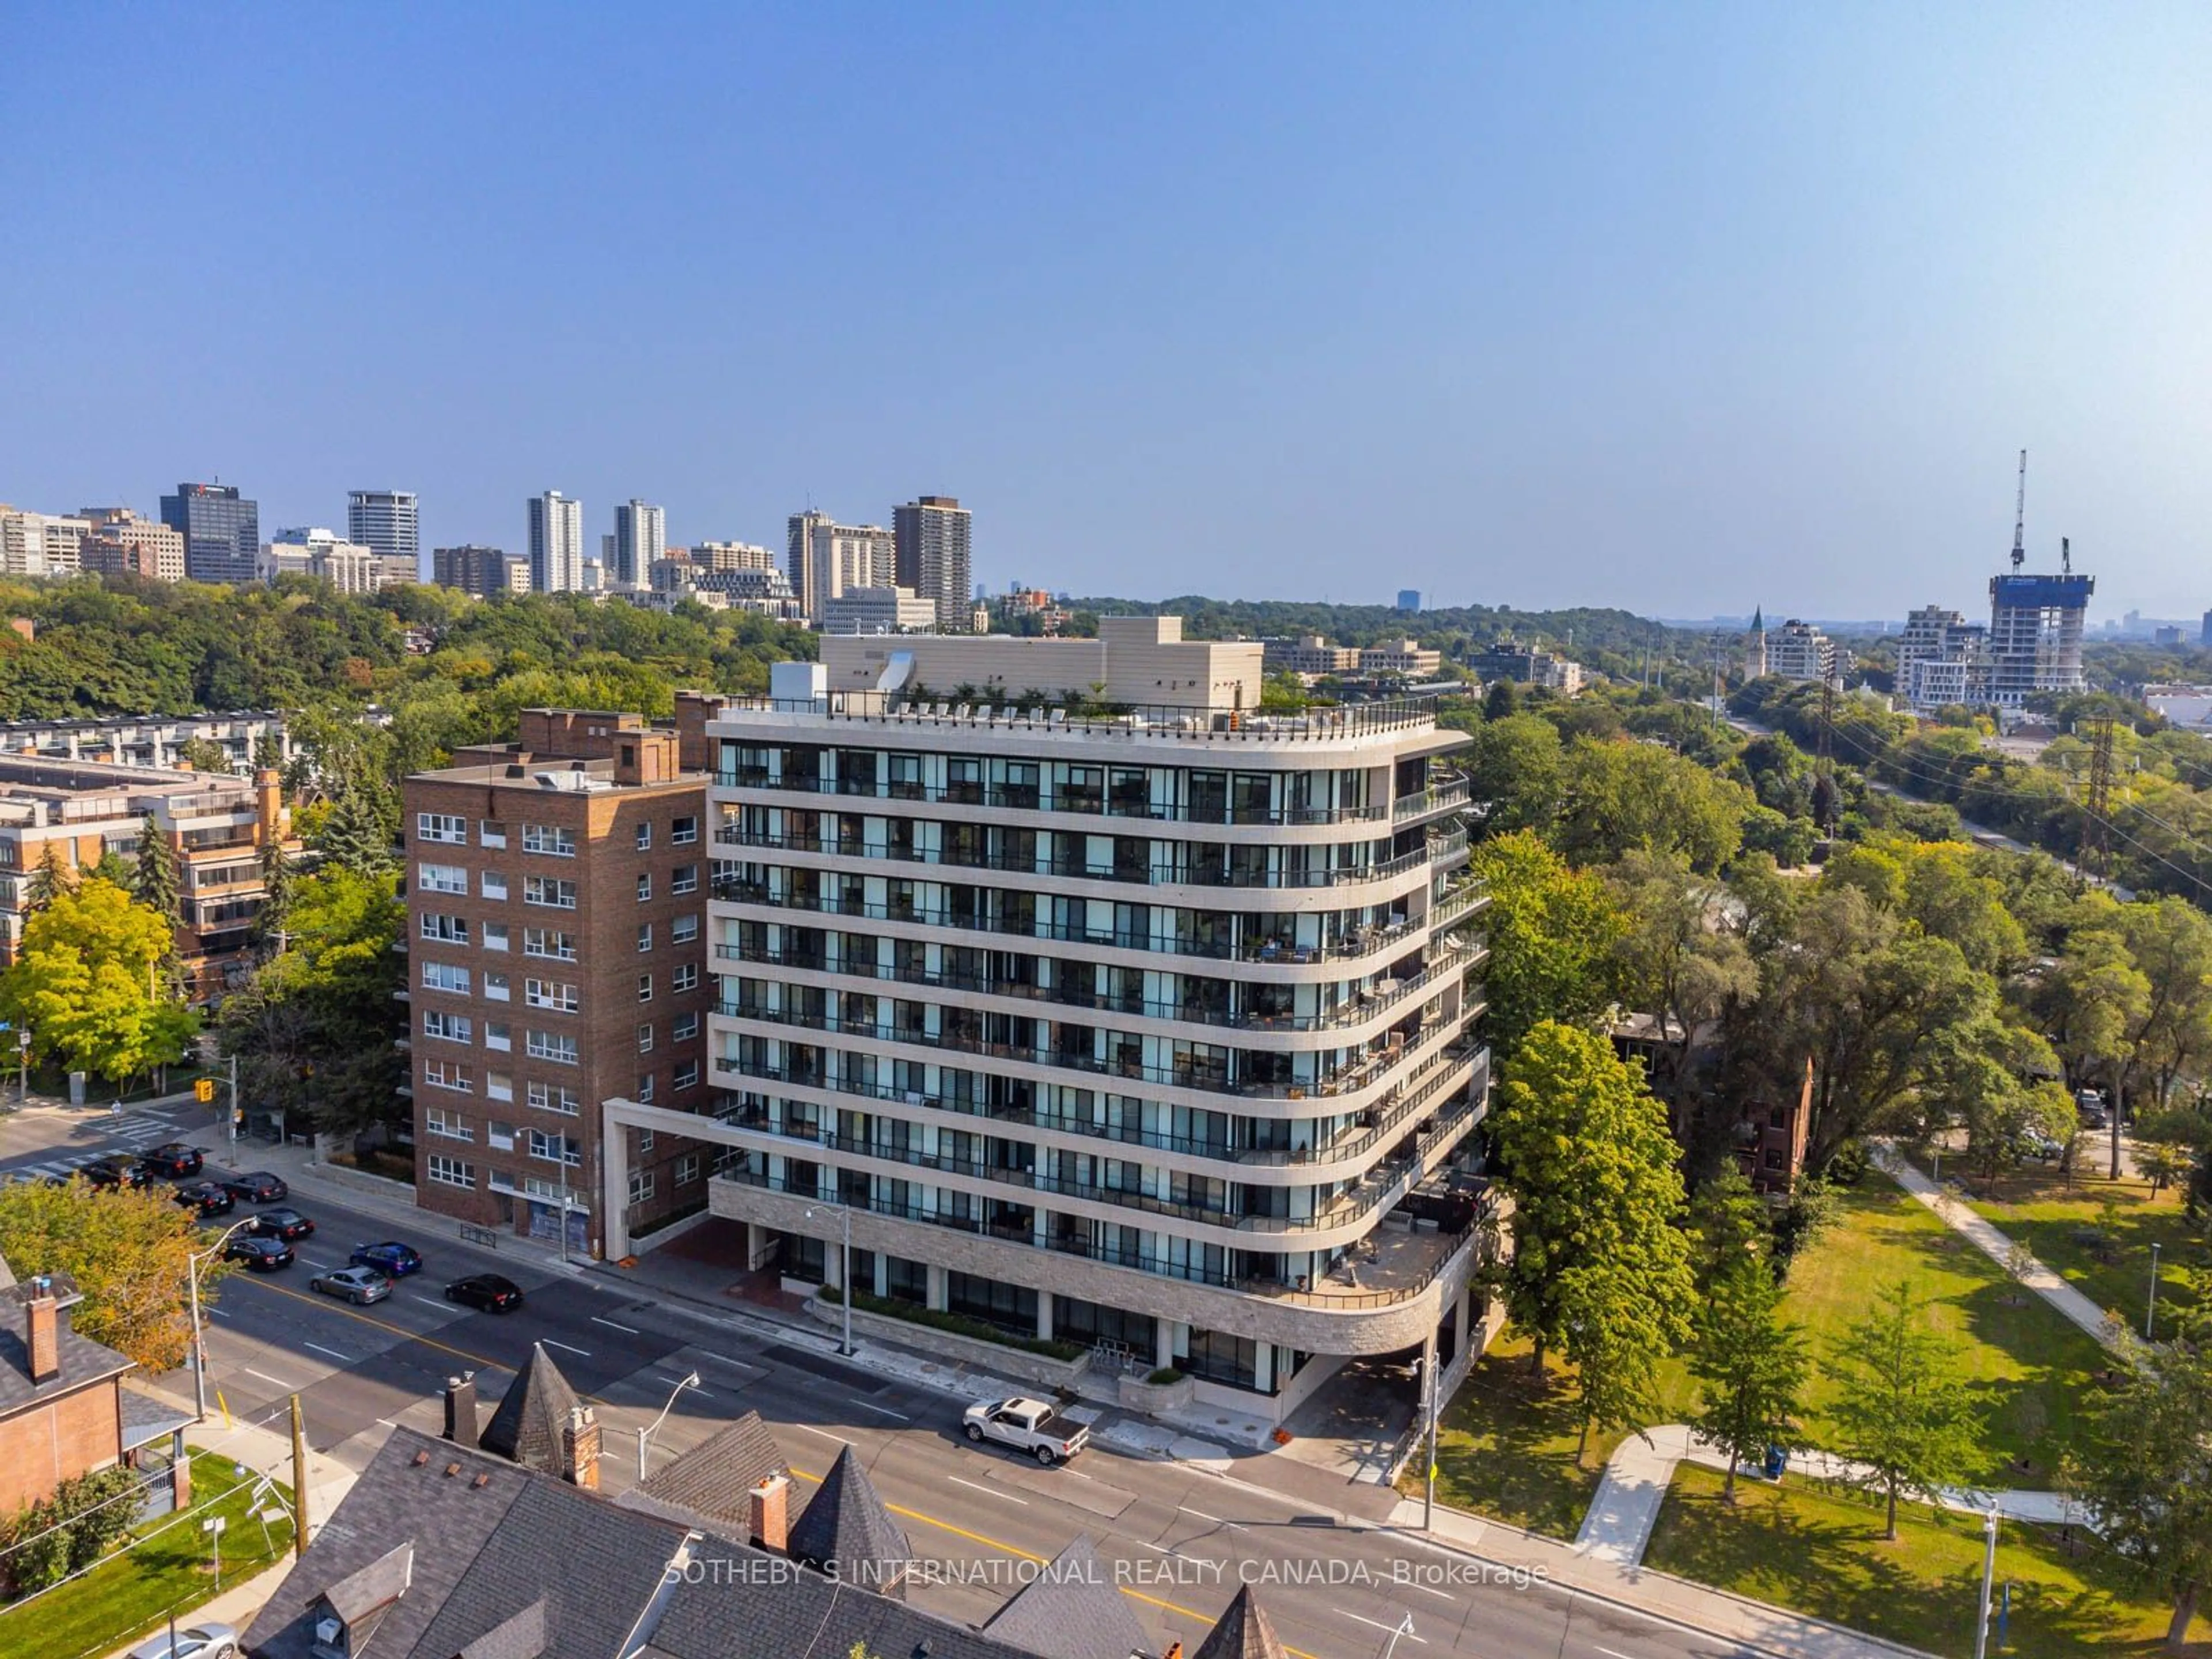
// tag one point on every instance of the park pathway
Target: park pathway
(2075, 1308)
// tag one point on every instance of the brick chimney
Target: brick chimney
(580, 1450)
(461, 1409)
(269, 804)
(42, 1341)
(770, 1513)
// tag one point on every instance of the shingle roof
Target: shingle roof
(531, 1415)
(709, 1485)
(379, 1584)
(522, 1636)
(145, 1418)
(1072, 1609)
(1242, 1632)
(83, 1361)
(847, 1532)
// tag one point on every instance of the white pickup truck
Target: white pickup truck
(1028, 1425)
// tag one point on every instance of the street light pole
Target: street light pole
(844, 1274)
(2150, 1308)
(646, 1433)
(1988, 1575)
(192, 1259)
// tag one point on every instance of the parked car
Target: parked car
(207, 1197)
(359, 1285)
(257, 1187)
(116, 1172)
(200, 1641)
(287, 1225)
(260, 1255)
(175, 1160)
(1028, 1425)
(490, 1292)
(391, 1258)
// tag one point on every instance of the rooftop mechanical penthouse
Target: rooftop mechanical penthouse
(1151, 1032)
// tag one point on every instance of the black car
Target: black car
(287, 1225)
(207, 1197)
(489, 1293)
(116, 1172)
(175, 1160)
(260, 1255)
(257, 1187)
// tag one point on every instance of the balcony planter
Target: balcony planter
(1141, 1394)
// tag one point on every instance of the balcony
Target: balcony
(1437, 798)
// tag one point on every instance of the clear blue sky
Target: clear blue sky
(1676, 306)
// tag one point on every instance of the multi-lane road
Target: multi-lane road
(1179, 1539)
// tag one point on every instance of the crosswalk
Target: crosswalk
(130, 1134)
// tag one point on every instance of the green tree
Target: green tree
(2145, 1468)
(1728, 1223)
(157, 883)
(45, 1543)
(204, 755)
(1677, 955)
(128, 1252)
(1585, 1152)
(1501, 700)
(49, 878)
(1626, 796)
(116, 870)
(87, 983)
(1514, 773)
(277, 883)
(1750, 1365)
(1552, 933)
(1902, 1408)
(356, 834)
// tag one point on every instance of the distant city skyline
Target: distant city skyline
(1670, 308)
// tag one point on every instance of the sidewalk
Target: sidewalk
(1618, 1525)
(2071, 1304)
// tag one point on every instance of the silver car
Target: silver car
(356, 1284)
(206, 1641)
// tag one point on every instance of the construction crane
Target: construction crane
(2019, 517)
(2065, 555)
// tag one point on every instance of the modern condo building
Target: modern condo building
(1153, 1032)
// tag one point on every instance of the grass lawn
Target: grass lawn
(2041, 1211)
(1824, 1554)
(1505, 1445)
(131, 1593)
(2031, 1364)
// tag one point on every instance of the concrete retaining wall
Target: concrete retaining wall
(1017, 1363)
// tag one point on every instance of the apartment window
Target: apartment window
(644, 1038)
(451, 1171)
(499, 1086)
(441, 879)
(645, 936)
(644, 886)
(500, 1137)
(644, 1142)
(495, 987)
(641, 1186)
(683, 832)
(645, 987)
(492, 884)
(556, 1149)
(551, 1045)
(452, 1028)
(447, 1074)
(683, 930)
(443, 930)
(445, 976)
(684, 1027)
(499, 1035)
(684, 878)
(644, 1089)
(645, 837)
(549, 993)
(553, 1097)
(490, 832)
(545, 942)
(549, 839)
(449, 1125)
(687, 1075)
(685, 978)
(495, 936)
(549, 891)
(687, 1169)
(441, 827)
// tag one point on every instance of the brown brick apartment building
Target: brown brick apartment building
(556, 902)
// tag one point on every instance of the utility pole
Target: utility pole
(233, 1107)
(1988, 1577)
(299, 1483)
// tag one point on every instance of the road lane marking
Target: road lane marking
(663, 1377)
(627, 1330)
(429, 1301)
(1610, 1653)
(274, 1381)
(1234, 1526)
(217, 1313)
(883, 1411)
(990, 1491)
(1429, 1590)
(825, 1433)
(1394, 1629)
(583, 1353)
(343, 1358)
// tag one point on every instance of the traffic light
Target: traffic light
(203, 1090)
